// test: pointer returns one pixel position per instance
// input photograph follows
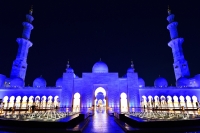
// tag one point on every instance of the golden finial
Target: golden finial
(31, 10)
(168, 10)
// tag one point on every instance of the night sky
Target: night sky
(84, 32)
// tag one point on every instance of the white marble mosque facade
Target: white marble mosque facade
(99, 87)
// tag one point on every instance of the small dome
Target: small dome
(197, 76)
(59, 82)
(100, 67)
(2, 80)
(130, 70)
(70, 70)
(160, 82)
(16, 82)
(195, 81)
(141, 82)
(39, 82)
(183, 82)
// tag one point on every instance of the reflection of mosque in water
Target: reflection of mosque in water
(100, 88)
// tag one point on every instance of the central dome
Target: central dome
(100, 67)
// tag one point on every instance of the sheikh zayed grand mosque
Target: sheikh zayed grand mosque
(100, 87)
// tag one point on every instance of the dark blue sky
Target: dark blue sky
(83, 32)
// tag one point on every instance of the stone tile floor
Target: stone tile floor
(101, 122)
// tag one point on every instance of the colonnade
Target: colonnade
(25, 102)
(169, 102)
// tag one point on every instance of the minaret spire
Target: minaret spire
(180, 65)
(31, 10)
(169, 11)
(19, 64)
(132, 65)
(68, 64)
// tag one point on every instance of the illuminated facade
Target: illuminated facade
(100, 87)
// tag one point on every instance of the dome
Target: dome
(70, 70)
(141, 82)
(16, 82)
(197, 79)
(100, 67)
(59, 82)
(197, 76)
(2, 80)
(160, 82)
(39, 82)
(130, 70)
(183, 82)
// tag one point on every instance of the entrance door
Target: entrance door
(100, 101)
(76, 104)
(124, 103)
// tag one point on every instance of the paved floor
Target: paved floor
(101, 122)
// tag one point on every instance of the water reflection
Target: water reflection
(101, 122)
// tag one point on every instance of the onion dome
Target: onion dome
(100, 67)
(131, 69)
(39, 82)
(160, 82)
(59, 82)
(141, 82)
(2, 80)
(183, 82)
(17, 82)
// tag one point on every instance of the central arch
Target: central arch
(100, 97)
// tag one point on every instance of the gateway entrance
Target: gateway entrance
(100, 97)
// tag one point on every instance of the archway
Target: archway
(163, 102)
(11, 102)
(49, 102)
(5, 101)
(56, 101)
(76, 102)
(37, 101)
(124, 104)
(43, 102)
(195, 102)
(24, 102)
(30, 101)
(100, 95)
(17, 103)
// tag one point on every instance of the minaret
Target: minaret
(180, 65)
(19, 64)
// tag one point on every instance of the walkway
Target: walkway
(101, 122)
